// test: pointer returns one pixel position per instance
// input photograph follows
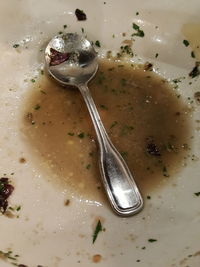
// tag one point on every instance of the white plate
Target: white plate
(49, 234)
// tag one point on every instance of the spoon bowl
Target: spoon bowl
(72, 60)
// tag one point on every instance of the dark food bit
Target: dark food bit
(80, 14)
(6, 190)
(148, 66)
(197, 97)
(195, 71)
(57, 57)
(152, 148)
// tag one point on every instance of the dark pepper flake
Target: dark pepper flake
(6, 190)
(57, 57)
(80, 14)
(195, 71)
(148, 66)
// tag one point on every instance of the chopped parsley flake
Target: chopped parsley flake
(137, 13)
(71, 134)
(186, 43)
(97, 230)
(88, 166)
(97, 43)
(192, 54)
(65, 26)
(138, 32)
(33, 80)
(103, 106)
(37, 106)
(156, 55)
(126, 50)
(113, 124)
(148, 197)
(151, 240)
(197, 194)
(15, 45)
(81, 135)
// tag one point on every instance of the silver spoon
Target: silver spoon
(72, 60)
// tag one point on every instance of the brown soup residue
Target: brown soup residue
(144, 118)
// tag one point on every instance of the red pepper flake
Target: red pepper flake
(80, 14)
(57, 57)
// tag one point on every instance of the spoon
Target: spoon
(72, 60)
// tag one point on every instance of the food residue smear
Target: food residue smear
(142, 114)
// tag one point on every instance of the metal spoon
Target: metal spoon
(72, 60)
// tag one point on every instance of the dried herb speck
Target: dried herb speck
(97, 230)
(186, 43)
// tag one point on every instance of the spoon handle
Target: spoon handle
(119, 184)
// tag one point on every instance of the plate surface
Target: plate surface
(49, 234)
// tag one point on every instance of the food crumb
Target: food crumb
(67, 202)
(22, 160)
(96, 258)
(80, 14)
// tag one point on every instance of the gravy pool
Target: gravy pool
(142, 114)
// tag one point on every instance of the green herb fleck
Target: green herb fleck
(97, 230)
(33, 80)
(165, 172)
(71, 134)
(18, 208)
(186, 43)
(81, 135)
(42, 72)
(148, 197)
(195, 71)
(82, 30)
(138, 32)
(43, 92)
(113, 124)
(124, 154)
(8, 255)
(65, 26)
(88, 166)
(193, 54)
(137, 13)
(197, 194)
(37, 106)
(103, 107)
(15, 45)
(60, 32)
(151, 240)
(97, 43)
(156, 55)
(126, 129)
(126, 50)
